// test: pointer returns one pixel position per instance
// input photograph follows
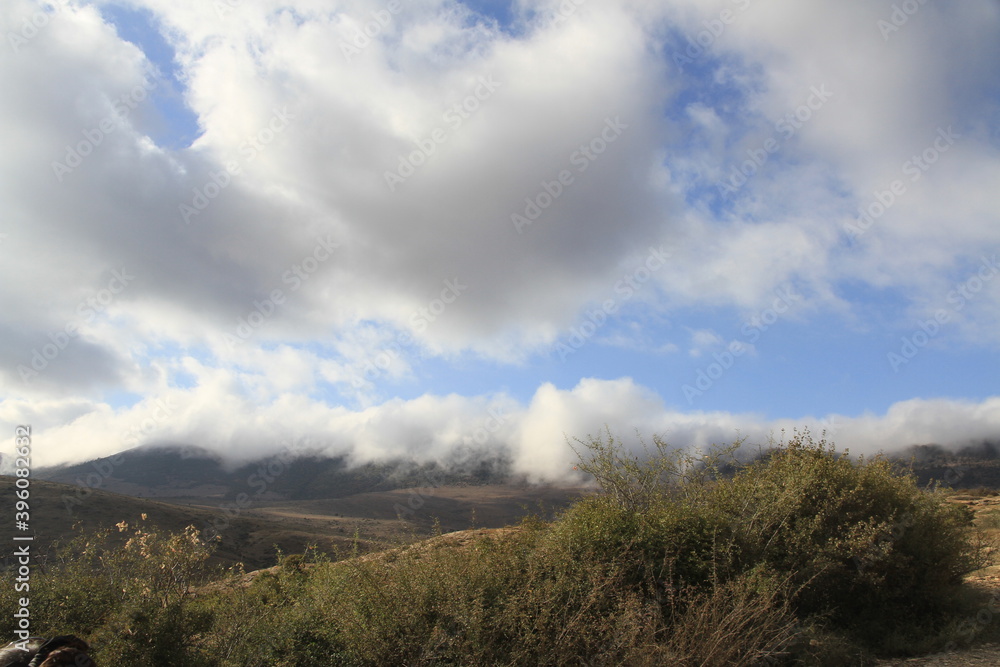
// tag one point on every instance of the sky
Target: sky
(430, 228)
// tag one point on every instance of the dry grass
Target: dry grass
(807, 556)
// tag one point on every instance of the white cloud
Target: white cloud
(223, 415)
(312, 134)
(350, 122)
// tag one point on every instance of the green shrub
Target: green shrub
(861, 548)
(125, 590)
(804, 555)
(269, 622)
(744, 620)
(867, 549)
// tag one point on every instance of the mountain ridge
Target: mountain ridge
(194, 473)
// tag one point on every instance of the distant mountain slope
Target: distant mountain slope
(969, 467)
(147, 472)
(196, 474)
(56, 509)
(175, 472)
(250, 533)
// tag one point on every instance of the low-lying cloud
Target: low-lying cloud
(452, 429)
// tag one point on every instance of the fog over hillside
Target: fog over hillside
(452, 228)
(457, 432)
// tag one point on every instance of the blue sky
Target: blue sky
(369, 223)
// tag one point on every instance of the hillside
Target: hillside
(969, 467)
(191, 473)
(289, 504)
(249, 534)
(56, 510)
(805, 556)
(175, 472)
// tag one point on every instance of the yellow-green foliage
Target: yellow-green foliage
(803, 555)
(859, 546)
(866, 547)
(125, 589)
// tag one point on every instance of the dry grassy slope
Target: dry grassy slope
(986, 508)
(246, 538)
(251, 534)
(455, 540)
(454, 507)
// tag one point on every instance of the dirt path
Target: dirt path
(988, 654)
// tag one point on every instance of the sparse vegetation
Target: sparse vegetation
(805, 556)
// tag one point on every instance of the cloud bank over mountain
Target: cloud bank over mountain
(394, 217)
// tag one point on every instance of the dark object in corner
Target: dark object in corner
(67, 650)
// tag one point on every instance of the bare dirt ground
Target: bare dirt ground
(383, 520)
(408, 514)
(988, 654)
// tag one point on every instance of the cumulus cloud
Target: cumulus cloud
(347, 120)
(537, 438)
(454, 188)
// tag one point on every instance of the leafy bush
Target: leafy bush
(868, 549)
(125, 589)
(861, 547)
(803, 556)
